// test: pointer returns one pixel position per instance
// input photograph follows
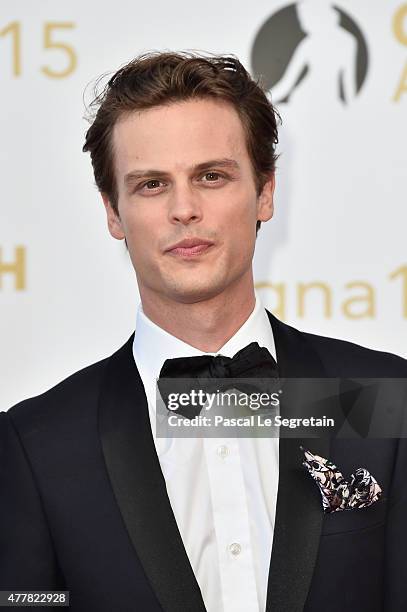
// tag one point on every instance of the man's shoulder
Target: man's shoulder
(340, 358)
(345, 358)
(70, 399)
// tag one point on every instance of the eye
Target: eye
(151, 184)
(213, 177)
(150, 187)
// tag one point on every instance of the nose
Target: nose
(184, 206)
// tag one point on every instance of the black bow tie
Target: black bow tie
(252, 361)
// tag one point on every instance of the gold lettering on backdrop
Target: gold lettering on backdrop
(279, 290)
(52, 43)
(15, 30)
(400, 24)
(367, 298)
(362, 304)
(16, 267)
(400, 32)
(402, 273)
(303, 288)
(402, 85)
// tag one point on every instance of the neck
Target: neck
(206, 324)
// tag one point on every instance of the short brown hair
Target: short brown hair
(158, 78)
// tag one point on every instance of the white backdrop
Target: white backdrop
(332, 261)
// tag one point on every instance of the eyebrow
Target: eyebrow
(225, 162)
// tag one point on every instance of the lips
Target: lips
(190, 247)
(196, 250)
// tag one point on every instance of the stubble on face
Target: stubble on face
(172, 141)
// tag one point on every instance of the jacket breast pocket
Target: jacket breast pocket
(356, 519)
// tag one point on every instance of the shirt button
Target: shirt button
(222, 451)
(235, 548)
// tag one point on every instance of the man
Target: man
(92, 501)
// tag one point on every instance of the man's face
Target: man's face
(183, 171)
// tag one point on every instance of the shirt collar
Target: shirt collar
(153, 345)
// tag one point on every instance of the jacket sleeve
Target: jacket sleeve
(27, 556)
(396, 536)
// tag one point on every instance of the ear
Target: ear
(113, 220)
(265, 201)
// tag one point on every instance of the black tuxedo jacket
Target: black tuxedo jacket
(84, 507)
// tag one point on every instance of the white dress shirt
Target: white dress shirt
(222, 491)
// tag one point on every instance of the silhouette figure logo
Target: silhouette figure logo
(311, 48)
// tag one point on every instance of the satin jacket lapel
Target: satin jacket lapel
(139, 486)
(299, 512)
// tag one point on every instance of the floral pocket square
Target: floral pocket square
(360, 491)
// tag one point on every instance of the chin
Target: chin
(190, 293)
